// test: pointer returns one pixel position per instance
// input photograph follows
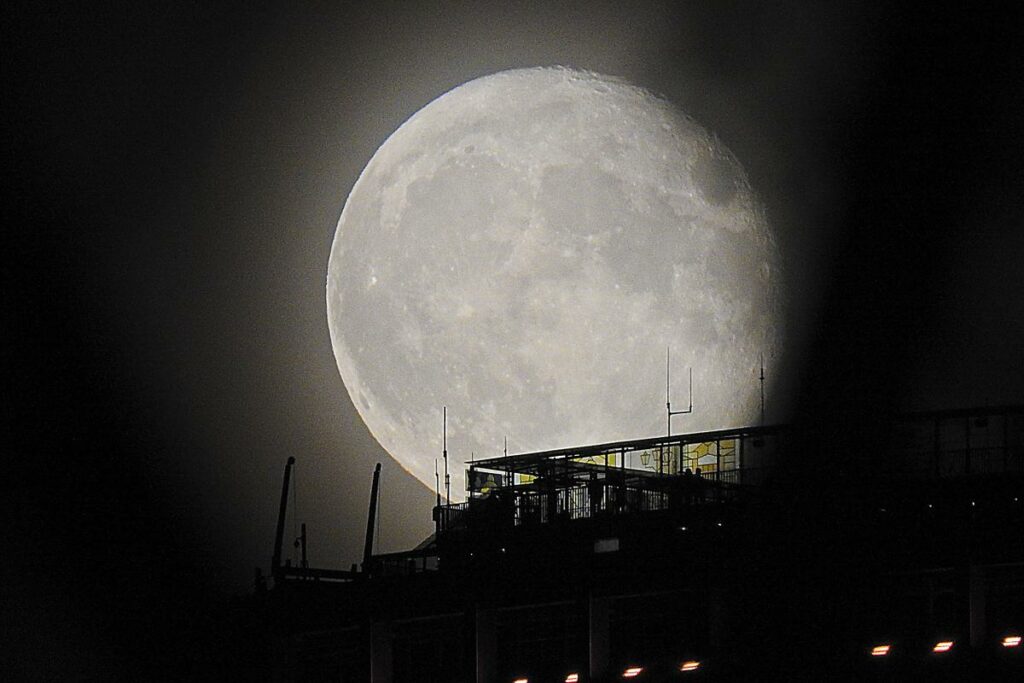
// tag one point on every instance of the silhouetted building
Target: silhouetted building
(890, 551)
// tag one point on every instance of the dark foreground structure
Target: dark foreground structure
(731, 555)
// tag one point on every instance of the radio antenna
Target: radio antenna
(437, 484)
(444, 437)
(668, 400)
(762, 389)
(509, 472)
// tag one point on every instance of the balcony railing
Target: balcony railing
(528, 506)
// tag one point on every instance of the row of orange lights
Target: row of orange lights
(942, 646)
(688, 665)
(631, 672)
(876, 651)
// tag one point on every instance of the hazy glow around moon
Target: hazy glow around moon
(523, 250)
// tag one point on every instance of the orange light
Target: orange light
(632, 672)
(572, 678)
(880, 650)
(521, 680)
(691, 665)
(943, 646)
(1011, 641)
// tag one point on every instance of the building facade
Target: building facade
(892, 550)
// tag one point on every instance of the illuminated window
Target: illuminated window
(1011, 641)
(710, 455)
(521, 680)
(691, 665)
(632, 672)
(572, 678)
(943, 646)
(880, 650)
(604, 459)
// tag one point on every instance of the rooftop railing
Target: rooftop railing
(540, 503)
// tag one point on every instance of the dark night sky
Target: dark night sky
(174, 176)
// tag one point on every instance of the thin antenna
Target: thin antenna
(282, 513)
(762, 389)
(295, 509)
(668, 401)
(371, 519)
(689, 409)
(380, 504)
(505, 449)
(447, 479)
(437, 484)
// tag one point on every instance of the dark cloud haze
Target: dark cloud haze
(175, 175)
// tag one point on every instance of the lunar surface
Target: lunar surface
(525, 248)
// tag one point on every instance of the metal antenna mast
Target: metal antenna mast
(508, 466)
(668, 400)
(437, 491)
(444, 437)
(437, 484)
(762, 389)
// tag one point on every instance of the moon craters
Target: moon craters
(523, 250)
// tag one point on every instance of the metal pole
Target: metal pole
(281, 512)
(447, 480)
(437, 509)
(668, 400)
(371, 518)
(762, 389)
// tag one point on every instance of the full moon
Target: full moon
(524, 250)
